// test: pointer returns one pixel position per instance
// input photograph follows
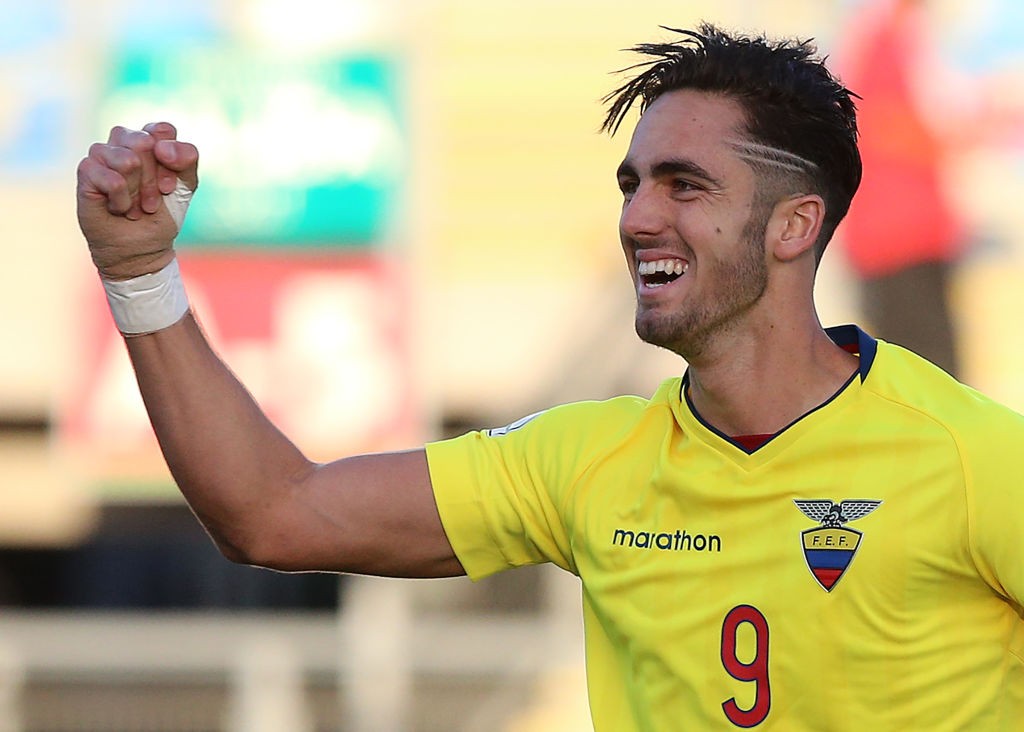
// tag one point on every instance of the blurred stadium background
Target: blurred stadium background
(406, 229)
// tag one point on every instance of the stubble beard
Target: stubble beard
(688, 333)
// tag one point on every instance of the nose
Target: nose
(642, 214)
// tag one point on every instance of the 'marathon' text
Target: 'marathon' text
(680, 541)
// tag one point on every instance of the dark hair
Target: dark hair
(791, 102)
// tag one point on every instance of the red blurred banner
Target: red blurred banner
(321, 341)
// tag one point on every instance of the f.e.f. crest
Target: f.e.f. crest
(830, 547)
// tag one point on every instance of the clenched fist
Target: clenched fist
(121, 188)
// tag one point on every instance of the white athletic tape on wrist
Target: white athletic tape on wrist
(177, 202)
(148, 303)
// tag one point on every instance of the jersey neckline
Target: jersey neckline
(848, 337)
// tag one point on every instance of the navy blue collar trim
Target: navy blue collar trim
(848, 337)
(852, 339)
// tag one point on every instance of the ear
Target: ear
(795, 225)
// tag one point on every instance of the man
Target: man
(712, 526)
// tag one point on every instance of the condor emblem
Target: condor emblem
(829, 549)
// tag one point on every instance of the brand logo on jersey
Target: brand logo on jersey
(499, 431)
(830, 548)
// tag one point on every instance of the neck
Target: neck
(759, 382)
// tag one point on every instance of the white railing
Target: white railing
(374, 650)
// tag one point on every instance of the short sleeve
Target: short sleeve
(498, 497)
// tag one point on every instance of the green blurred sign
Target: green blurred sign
(293, 151)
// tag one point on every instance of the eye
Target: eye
(628, 186)
(682, 185)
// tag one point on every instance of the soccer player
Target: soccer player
(810, 529)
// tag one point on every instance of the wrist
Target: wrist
(137, 266)
(147, 303)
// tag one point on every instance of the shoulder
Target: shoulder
(578, 430)
(911, 385)
(604, 418)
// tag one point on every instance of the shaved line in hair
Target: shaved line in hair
(759, 154)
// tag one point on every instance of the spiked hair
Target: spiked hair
(792, 105)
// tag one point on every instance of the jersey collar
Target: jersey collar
(848, 337)
(853, 340)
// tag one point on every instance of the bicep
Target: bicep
(369, 514)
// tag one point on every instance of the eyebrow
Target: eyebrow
(670, 167)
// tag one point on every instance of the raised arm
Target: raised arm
(260, 498)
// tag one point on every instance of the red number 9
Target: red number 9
(756, 670)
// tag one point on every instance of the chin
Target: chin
(662, 337)
(675, 333)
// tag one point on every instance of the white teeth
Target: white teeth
(668, 266)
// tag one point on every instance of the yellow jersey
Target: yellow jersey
(861, 570)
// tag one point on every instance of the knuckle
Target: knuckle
(126, 161)
(141, 141)
(132, 139)
(162, 130)
(116, 186)
(119, 135)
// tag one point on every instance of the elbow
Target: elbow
(240, 545)
(232, 551)
(256, 549)
(233, 547)
(255, 535)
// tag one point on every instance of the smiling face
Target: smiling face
(692, 227)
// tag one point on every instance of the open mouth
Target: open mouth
(661, 272)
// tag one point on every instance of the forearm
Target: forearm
(230, 462)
